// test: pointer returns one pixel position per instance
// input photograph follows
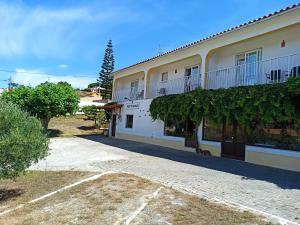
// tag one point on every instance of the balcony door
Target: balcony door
(134, 89)
(192, 78)
(247, 67)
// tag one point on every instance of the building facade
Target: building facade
(262, 51)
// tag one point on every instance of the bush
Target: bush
(22, 141)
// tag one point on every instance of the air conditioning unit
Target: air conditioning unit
(162, 91)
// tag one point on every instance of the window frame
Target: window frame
(127, 124)
(163, 75)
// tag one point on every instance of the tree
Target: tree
(93, 85)
(95, 114)
(45, 101)
(105, 75)
(22, 141)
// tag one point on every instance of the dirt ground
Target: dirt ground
(123, 199)
(72, 126)
(33, 185)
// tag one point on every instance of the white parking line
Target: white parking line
(145, 201)
(95, 177)
(232, 204)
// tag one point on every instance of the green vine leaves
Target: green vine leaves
(247, 105)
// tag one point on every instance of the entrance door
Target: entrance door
(113, 125)
(190, 134)
(233, 145)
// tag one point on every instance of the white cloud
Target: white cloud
(35, 77)
(63, 66)
(43, 32)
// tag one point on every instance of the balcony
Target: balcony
(129, 94)
(177, 86)
(276, 70)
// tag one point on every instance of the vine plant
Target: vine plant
(246, 105)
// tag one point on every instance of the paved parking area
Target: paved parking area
(267, 189)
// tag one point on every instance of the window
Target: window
(164, 77)
(285, 136)
(173, 129)
(211, 132)
(129, 121)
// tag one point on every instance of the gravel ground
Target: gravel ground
(267, 189)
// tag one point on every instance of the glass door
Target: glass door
(134, 89)
(251, 70)
(195, 77)
(191, 78)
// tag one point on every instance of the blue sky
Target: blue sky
(66, 38)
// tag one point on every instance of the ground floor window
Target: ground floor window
(129, 121)
(174, 129)
(185, 129)
(283, 136)
(212, 132)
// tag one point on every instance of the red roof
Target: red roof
(215, 35)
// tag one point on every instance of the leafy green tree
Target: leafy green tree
(95, 114)
(105, 77)
(45, 101)
(93, 85)
(22, 141)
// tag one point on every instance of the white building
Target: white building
(226, 59)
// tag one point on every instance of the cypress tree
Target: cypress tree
(105, 77)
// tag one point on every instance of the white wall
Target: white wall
(269, 43)
(143, 125)
(155, 74)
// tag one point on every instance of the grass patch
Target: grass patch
(112, 198)
(74, 125)
(34, 184)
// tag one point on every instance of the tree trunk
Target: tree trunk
(45, 122)
(197, 141)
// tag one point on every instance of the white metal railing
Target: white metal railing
(129, 94)
(176, 86)
(274, 70)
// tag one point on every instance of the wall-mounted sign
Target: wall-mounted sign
(135, 105)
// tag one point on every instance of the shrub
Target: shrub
(22, 141)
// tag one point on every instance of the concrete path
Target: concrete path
(267, 189)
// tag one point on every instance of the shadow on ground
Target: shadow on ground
(7, 194)
(54, 133)
(282, 178)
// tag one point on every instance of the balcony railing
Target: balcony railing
(129, 94)
(176, 86)
(275, 70)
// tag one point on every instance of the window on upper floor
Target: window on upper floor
(164, 77)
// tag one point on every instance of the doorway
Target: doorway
(247, 67)
(233, 144)
(113, 125)
(190, 134)
(192, 78)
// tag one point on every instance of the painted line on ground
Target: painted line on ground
(95, 177)
(232, 204)
(239, 206)
(145, 201)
